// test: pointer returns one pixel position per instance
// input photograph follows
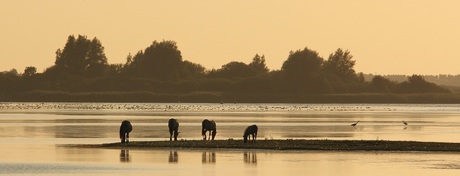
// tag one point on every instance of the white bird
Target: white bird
(354, 124)
(405, 123)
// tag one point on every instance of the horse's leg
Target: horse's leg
(213, 134)
(209, 137)
(176, 133)
(127, 137)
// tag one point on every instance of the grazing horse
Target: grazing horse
(173, 129)
(250, 130)
(125, 128)
(208, 125)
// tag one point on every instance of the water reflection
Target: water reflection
(173, 157)
(208, 157)
(124, 156)
(250, 157)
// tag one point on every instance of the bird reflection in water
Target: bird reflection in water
(173, 157)
(208, 157)
(124, 156)
(250, 157)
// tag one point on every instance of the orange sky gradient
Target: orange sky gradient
(385, 37)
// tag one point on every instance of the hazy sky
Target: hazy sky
(385, 37)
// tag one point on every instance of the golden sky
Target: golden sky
(385, 37)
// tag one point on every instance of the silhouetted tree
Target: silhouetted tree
(258, 65)
(236, 70)
(13, 73)
(29, 71)
(381, 84)
(192, 70)
(161, 60)
(9, 80)
(96, 61)
(417, 84)
(81, 56)
(340, 66)
(114, 69)
(302, 72)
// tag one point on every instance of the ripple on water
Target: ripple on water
(54, 168)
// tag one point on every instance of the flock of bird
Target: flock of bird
(189, 107)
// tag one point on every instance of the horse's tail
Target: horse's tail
(214, 129)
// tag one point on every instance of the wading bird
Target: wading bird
(354, 124)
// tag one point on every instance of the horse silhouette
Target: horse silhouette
(250, 130)
(173, 129)
(208, 125)
(125, 129)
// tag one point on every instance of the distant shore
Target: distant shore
(219, 97)
(321, 145)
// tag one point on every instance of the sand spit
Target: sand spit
(323, 145)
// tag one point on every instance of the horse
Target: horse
(250, 130)
(173, 129)
(208, 125)
(125, 129)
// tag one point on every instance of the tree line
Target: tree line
(81, 66)
(441, 79)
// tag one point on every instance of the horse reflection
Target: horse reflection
(250, 157)
(173, 157)
(208, 157)
(124, 156)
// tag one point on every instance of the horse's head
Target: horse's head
(245, 138)
(203, 132)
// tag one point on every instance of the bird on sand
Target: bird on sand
(354, 124)
(404, 122)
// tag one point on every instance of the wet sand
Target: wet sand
(321, 145)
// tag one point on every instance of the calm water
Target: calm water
(32, 134)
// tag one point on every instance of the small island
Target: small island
(289, 144)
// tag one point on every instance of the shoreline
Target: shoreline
(226, 97)
(287, 145)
